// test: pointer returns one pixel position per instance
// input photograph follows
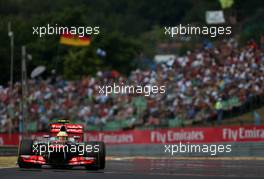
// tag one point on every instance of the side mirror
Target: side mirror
(46, 136)
(76, 137)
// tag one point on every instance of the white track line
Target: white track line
(185, 158)
(7, 167)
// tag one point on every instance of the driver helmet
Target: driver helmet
(62, 135)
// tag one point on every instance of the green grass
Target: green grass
(9, 161)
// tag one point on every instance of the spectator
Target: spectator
(195, 83)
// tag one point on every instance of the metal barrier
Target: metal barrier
(8, 150)
(248, 149)
(241, 149)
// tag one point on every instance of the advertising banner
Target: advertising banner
(164, 136)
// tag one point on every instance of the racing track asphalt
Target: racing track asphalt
(149, 169)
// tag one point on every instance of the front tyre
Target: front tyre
(25, 148)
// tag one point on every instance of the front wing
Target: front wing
(40, 160)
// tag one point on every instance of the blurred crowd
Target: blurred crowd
(199, 86)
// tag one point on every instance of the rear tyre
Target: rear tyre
(99, 156)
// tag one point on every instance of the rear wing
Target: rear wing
(70, 128)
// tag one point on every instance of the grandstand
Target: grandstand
(205, 86)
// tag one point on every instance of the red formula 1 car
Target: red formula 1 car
(64, 147)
